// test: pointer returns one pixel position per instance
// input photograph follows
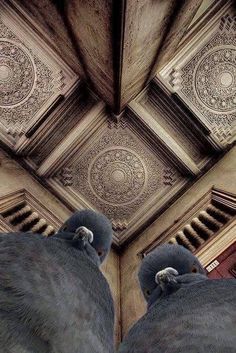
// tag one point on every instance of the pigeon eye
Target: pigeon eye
(100, 253)
(194, 269)
(147, 292)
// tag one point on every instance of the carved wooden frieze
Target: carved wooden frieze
(203, 74)
(118, 173)
(31, 76)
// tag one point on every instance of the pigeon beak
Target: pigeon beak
(84, 234)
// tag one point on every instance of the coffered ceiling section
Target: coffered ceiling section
(33, 80)
(130, 166)
(203, 74)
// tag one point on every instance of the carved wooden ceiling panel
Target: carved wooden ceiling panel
(130, 166)
(119, 173)
(203, 74)
(32, 78)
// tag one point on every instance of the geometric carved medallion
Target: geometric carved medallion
(32, 77)
(118, 174)
(215, 80)
(206, 79)
(25, 81)
(17, 74)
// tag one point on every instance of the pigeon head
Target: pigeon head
(95, 226)
(166, 256)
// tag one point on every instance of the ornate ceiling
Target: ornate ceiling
(110, 107)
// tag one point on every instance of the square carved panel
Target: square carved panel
(119, 173)
(203, 74)
(32, 77)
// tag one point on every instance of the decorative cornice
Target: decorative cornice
(205, 220)
(165, 99)
(20, 211)
(173, 149)
(80, 133)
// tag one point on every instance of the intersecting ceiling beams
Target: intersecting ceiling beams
(121, 41)
(118, 44)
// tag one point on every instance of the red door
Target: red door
(224, 266)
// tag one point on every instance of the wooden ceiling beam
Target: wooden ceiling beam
(94, 118)
(119, 42)
(183, 160)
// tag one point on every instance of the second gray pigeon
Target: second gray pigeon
(186, 312)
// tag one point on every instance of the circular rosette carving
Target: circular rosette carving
(215, 80)
(17, 74)
(117, 176)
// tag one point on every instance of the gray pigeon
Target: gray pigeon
(53, 297)
(186, 312)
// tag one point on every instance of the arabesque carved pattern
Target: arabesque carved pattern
(26, 82)
(215, 80)
(66, 176)
(208, 79)
(17, 74)
(118, 174)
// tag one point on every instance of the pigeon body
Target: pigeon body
(186, 312)
(53, 297)
(198, 319)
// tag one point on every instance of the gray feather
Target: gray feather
(53, 297)
(186, 312)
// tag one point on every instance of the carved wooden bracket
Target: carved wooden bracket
(20, 211)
